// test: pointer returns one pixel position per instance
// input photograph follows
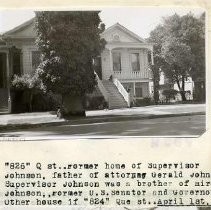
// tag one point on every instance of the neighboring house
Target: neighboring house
(18, 55)
(164, 84)
(189, 88)
(125, 65)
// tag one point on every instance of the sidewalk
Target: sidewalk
(25, 120)
(151, 110)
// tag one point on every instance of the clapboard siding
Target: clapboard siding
(27, 58)
(126, 68)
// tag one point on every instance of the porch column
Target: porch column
(152, 57)
(8, 82)
(111, 61)
(151, 90)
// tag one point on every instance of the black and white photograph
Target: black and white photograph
(103, 72)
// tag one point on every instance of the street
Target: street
(181, 126)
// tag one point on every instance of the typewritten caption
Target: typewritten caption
(105, 184)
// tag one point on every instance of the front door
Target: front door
(3, 84)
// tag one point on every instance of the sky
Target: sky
(137, 19)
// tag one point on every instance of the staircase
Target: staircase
(116, 100)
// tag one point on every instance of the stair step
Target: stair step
(3, 110)
(116, 100)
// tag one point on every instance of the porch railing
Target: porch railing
(122, 90)
(143, 74)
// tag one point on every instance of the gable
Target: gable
(118, 33)
(26, 30)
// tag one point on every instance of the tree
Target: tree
(179, 48)
(169, 94)
(196, 40)
(69, 42)
(179, 58)
(155, 37)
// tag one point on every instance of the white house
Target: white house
(125, 59)
(165, 84)
(125, 66)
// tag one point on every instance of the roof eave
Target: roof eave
(18, 28)
(126, 30)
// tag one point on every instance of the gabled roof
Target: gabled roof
(19, 28)
(126, 31)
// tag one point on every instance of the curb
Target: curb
(13, 127)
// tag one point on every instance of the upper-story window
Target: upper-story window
(116, 61)
(135, 61)
(35, 59)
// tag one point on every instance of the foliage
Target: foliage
(146, 101)
(179, 48)
(30, 84)
(169, 94)
(27, 81)
(69, 42)
(97, 102)
(156, 37)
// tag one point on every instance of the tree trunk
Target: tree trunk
(156, 79)
(73, 106)
(30, 100)
(182, 93)
(182, 88)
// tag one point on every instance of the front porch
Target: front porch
(10, 59)
(4, 81)
(126, 61)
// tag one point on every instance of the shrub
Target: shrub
(46, 102)
(97, 102)
(169, 94)
(27, 85)
(144, 102)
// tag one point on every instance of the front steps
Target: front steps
(116, 100)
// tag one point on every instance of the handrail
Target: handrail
(102, 88)
(122, 90)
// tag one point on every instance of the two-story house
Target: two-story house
(126, 60)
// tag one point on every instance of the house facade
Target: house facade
(18, 55)
(125, 64)
(126, 58)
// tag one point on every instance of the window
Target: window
(116, 61)
(17, 56)
(35, 59)
(135, 62)
(138, 90)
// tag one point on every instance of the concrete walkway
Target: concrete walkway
(42, 118)
(29, 118)
(151, 110)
